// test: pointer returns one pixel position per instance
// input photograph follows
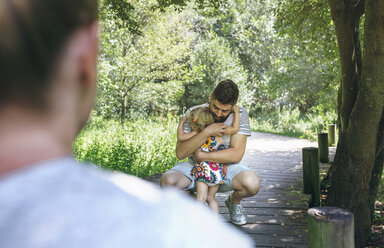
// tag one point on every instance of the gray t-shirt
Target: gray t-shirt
(244, 124)
(61, 203)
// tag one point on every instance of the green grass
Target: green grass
(141, 147)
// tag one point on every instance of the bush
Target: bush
(292, 123)
(141, 147)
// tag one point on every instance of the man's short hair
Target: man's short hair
(33, 33)
(226, 92)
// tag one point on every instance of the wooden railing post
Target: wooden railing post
(323, 147)
(330, 227)
(331, 134)
(311, 174)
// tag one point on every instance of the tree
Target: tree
(308, 70)
(142, 58)
(359, 157)
(356, 172)
(121, 67)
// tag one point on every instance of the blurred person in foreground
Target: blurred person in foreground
(48, 54)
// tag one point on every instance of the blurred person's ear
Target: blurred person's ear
(88, 55)
(78, 72)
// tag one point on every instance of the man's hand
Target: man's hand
(215, 129)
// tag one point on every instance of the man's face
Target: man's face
(220, 111)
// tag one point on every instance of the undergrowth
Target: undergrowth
(140, 147)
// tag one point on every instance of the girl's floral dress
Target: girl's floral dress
(210, 172)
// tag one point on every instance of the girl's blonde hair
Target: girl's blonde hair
(199, 118)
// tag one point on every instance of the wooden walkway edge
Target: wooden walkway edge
(277, 215)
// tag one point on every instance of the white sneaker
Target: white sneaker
(236, 212)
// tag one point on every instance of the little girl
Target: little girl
(208, 175)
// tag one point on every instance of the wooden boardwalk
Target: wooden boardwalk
(277, 215)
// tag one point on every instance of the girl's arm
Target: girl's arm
(181, 136)
(236, 122)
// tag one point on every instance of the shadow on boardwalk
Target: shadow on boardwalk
(277, 214)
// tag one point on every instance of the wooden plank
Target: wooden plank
(262, 240)
(270, 219)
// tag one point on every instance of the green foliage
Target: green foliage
(309, 22)
(142, 147)
(306, 75)
(141, 72)
(128, 14)
(293, 123)
(180, 4)
(184, 48)
(211, 62)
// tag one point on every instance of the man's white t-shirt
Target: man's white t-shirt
(63, 204)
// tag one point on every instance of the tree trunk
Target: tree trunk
(346, 20)
(377, 168)
(375, 182)
(360, 108)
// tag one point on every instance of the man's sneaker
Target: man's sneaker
(236, 212)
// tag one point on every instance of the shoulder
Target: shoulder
(171, 218)
(244, 113)
(99, 208)
(192, 219)
(245, 127)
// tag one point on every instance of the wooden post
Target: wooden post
(311, 174)
(331, 134)
(323, 147)
(330, 227)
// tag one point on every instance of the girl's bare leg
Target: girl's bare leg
(201, 191)
(212, 203)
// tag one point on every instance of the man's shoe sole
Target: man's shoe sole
(239, 223)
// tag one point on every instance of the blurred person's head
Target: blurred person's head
(222, 99)
(48, 52)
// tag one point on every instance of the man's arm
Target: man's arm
(181, 135)
(233, 154)
(186, 148)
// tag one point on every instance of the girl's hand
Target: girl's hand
(236, 109)
(215, 129)
(183, 119)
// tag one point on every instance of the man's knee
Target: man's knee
(249, 182)
(175, 179)
(167, 179)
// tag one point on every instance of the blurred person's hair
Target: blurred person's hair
(33, 34)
